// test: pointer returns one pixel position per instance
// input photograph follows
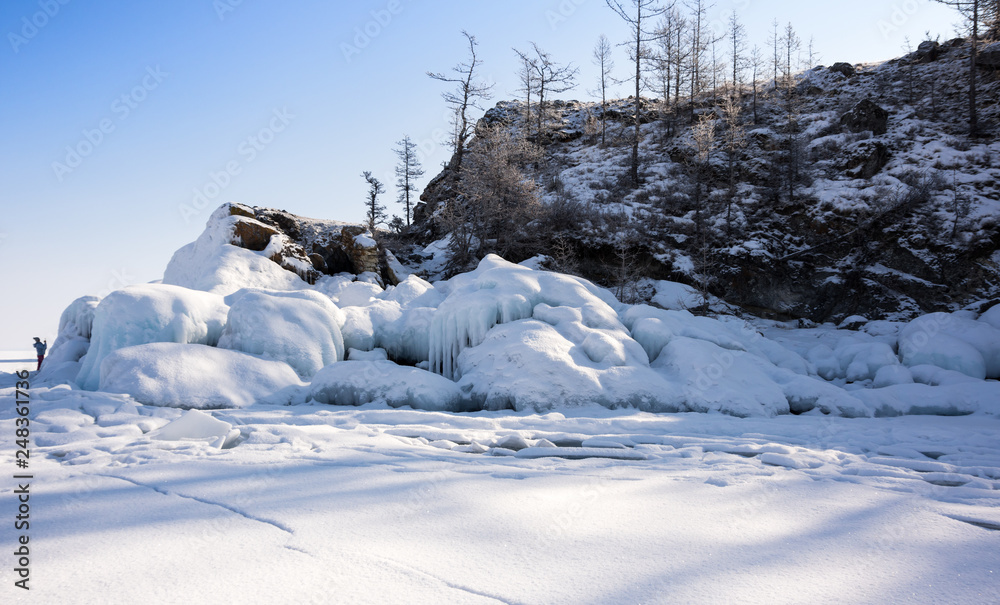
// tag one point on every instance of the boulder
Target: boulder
(866, 159)
(361, 247)
(928, 51)
(843, 68)
(866, 116)
(252, 234)
(990, 56)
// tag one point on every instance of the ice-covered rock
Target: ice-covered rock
(499, 292)
(361, 382)
(194, 376)
(75, 325)
(150, 313)
(301, 328)
(892, 374)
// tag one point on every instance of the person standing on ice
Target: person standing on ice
(40, 348)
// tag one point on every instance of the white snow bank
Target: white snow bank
(676, 296)
(196, 425)
(150, 313)
(301, 328)
(361, 382)
(992, 316)
(532, 365)
(943, 400)
(953, 342)
(212, 264)
(194, 376)
(740, 383)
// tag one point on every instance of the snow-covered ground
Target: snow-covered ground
(322, 504)
(509, 435)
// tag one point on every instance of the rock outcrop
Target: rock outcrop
(307, 247)
(866, 116)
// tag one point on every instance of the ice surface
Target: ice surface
(194, 376)
(150, 313)
(361, 382)
(196, 425)
(301, 328)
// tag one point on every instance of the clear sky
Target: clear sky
(117, 113)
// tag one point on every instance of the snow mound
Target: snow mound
(193, 376)
(992, 316)
(532, 365)
(952, 342)
(212, 264)
(676, 296)
(301, 328)
(146, 314)
(499, 292)
(360, 382)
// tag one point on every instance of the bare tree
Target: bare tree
(375, 215)
(549, 77)
(737, 47)
(973, 11)
(499, 198)
(408, 170)
(602, 59)
(469, 91)
(734, 141)
(776, 42)
(638, 17)
(703, 143)
(756, 67)
(526, 74)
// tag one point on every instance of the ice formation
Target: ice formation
(362, 382)
(195, 376)
(150, 313)
(301, 328)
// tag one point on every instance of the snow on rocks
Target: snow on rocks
(146, 314)
(212, 264)
(362, 382)
(301, 328)
(196, 376)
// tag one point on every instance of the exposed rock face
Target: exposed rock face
(308, 247)
(865, 116)
(867, 159)
(990, 56)
(843, 68)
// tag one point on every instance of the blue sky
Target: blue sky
(117, 113)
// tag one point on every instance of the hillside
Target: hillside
(858, 192)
